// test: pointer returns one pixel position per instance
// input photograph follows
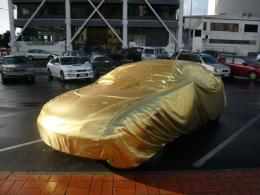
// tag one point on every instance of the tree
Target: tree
(5, 39)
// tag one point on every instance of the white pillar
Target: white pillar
(12, 27)
(68, 25)
(180, 24)
(125, 24)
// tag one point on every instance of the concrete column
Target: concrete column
(125, 24)
(12, 27)
(180, 24)
(68, 25)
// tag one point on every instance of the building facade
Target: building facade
(60, 25)
(226, 7)
(237, 35)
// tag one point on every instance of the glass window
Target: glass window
(209, 60)
(189, 57)
(197, 33)
(229, 60)
(251, 28)
(239, 61)
(174, 56)
(195, 58)
(238, 42)
(68, 61)
(15, 60)
(204, 25)
(149, 51)
(224, 27)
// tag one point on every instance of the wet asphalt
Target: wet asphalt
(21, 102)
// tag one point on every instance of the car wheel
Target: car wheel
(215, 121)
(49, 74)
(156, 159)
(30, 58)
(32, 79)
(252, 76)
(62, 77)
(4, 80)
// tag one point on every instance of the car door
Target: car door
(97, 65)
(56, 67)
(242, 69)
(229, 61)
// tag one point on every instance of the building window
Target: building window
(197, 33)
(204, 25)
(224, 27)
(251, 28)
(238, 42)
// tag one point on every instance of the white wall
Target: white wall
(236, 7)
(240, 49)
(57, 48)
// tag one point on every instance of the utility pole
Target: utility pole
(180, 25)
(12, 27)
(189, 43)
(125, 24)
(68, 25)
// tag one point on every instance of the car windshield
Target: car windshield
(209, 60)
(15, 60)
(162, 51)
(149, 51)
(82, 60)
(69, 61)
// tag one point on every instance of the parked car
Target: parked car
(206, 60)
(127, 55)
(68, 68)
(150, 53)
(242, 66)
(76, 53)
(97, 51)
(16, 67)
(129, 115)
(39, 54)
(102, 65)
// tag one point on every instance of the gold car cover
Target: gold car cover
(129, 114)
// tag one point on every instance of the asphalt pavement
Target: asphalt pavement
(233, 143)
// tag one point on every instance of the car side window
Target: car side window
(57, 61)
(239, 61)
(183, 57)
(229, 60)
(195, 58)
(188, 57)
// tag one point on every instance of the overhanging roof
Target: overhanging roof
(158, 2)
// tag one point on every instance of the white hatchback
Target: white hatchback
(68, 68)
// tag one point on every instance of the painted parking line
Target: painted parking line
(217, 149)
(17, 113)
(20, 145)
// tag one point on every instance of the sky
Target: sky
(198, 7)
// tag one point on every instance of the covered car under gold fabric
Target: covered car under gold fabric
(129, 114)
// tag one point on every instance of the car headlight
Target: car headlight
(217, 70)
(69, 71)
(7, 69)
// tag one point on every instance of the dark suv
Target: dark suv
(241, 66)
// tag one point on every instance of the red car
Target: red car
(241, 66)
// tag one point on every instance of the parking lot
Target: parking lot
(233, 143)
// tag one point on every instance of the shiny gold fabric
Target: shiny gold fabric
(129, 114)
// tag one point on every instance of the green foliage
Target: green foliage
(5, 39)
